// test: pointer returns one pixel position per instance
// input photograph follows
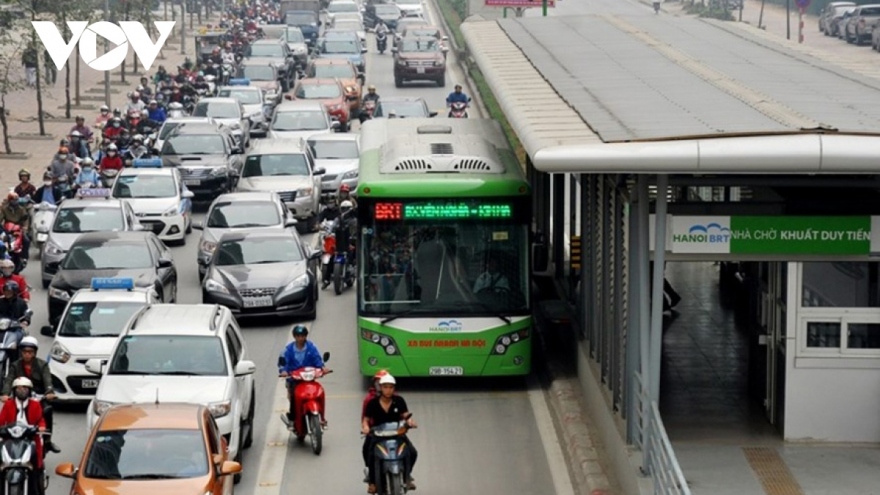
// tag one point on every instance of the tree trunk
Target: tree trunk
(4, 125)
(66, 75)
(78, 97)
(122, 65)
(40, 117)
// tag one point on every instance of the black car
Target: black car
(263, 273)
(140, 256)
(403, 106)
(207, 157)
(385, 12)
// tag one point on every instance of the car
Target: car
(419, 59)
(301, 119)
(172, 123)
(88, 328)
(349, 49)
(408, 22)
(331, 93)
(276, 53)
(140, 256)
(338, 155)
(345, 72)
(828, 13)
(349, 25)
(403, 106)
(191, 353)
(837, 19)
(154, 448)
(159, 199)
(262, 75)
(341, 7)
(207, 158)
(421, 31)
(77, 216)
(410, 8)
(263, 273)
(861, 23)
(229, 113)
(294, 38)
(386, 13)
(256, 105)
(241, 210)
(286, 167)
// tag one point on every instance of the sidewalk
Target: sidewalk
(22, 107)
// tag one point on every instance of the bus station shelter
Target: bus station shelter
(668, 138)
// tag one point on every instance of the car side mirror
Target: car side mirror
(334, 124)
(244, 368)
(198, 226)
(326, 357)
(432, 114)
(66, 470)
(165, 263)
(188, 194)
(95, 366)
(314, 256)
(393, 49)
(229, 467)
(237, 151)
(364, 50)
(319, 171)
(444, 38)
(138, 228)
(291, 222)
(47, 331)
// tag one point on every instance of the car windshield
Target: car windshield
(147, 454)
(275, 165)
(258, 72)
(243, 96)
(97, 319)
(108, 256)
(419, 45)
(257, 251)
(145, 186)
(332, 71)
(334, 150)
(242, 214)
(271, 50)
(347, 26)
(217, 109)
(88, 219)
(193, 144)
(300, 19)
(169, 355)
(408, 2)
(421, 33)
(320, 91)
(873, 11)
(341, 47)
(335, 7)
(403, 23)
(387, 10)
(299, 121)
(167, 127)
(293, 36)
(401, 108)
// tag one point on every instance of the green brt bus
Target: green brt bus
(443, 242)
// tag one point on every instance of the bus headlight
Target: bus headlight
(381, 340)
(508, 339)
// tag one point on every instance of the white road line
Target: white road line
(275, 451)
(558, 467)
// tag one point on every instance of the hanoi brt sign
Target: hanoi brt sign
(121, 35)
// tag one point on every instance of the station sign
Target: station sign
(519, 3)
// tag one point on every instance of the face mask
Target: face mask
(105, 112)
(116, 124)
(87, 169)
(7, 272)
(22, 393)
(48, 183)
(111, 152)
(62, 157)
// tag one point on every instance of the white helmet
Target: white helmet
(22, 381)
(387, 379)
(29, 342)
(7, 264)
(346, 205)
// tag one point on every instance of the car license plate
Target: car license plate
(192, 182)
(257, 302)
(90, 383)
(446, 371)
(420, 70)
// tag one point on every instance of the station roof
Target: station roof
(648, 94)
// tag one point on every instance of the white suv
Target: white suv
(191, 353)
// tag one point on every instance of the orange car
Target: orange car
(154, 448)
(330, 92)
(346, 72)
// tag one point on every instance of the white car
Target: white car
(172, 123)
(88, 329)
(158, 197)
(410, 8)
(339, 155)
(192, 353)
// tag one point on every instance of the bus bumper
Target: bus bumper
(516, 361)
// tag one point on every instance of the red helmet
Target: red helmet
(12, 197)
(379, 374)
(345, 188)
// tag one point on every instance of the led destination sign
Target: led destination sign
(452, 210)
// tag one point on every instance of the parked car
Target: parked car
(860, 25)
(828, 13)
(838, 23)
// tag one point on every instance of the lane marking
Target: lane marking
(562, 484)
(273, 458)
(772, 472)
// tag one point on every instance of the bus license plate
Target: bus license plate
(446, 371)
(257, 302)
(90, 383)
(420, 70)
(192, 182)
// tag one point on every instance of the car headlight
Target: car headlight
(218, 171)
(59, 353)
(220, 409)
(298, 282)
(59, 294)
(351, 174)
(236, 126)
(215, 286)
(401, 62)
(207, 247)
(300, 50)
(351, 89)
(171, 211)
(306, 191)
(438, 64)
(101, 406)
(54, 249)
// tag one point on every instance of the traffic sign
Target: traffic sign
(802, 3)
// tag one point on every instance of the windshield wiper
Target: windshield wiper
(150, 477)
(398, 315)
(177, 373)
(265, 262)
(103, 335)
(495, 312)
(103, 476)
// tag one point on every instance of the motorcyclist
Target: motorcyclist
(382, 28)
(372, 95)
(344, 195)
(62, 165)
(87, 176)
(182, 75)
(113, 129)
(103, 117)
(212, 69)
(27, 410)
(48, 192)
(295, 355)
(37, 371)
(201, 84)
(12, 306)
(111, 160)
(137, 149)
(156, 113)
(7, 274)
(134, 103)
(374, 391)
(388, 407)
(82, 129)
(457, 96)
(147, 125)
(345, 227)
(330, 211)
(13, 211)
(24, 187)
(161, 75)
(78, 145)
(145, 90)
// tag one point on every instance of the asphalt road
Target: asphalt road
(475, 436)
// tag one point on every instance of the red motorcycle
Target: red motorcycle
(328, 245)
(458, 110)
(367, 111)
(15, 245)
(308, 400)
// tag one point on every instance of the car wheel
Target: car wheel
(173, 297)
(249, 439)
(189, 224)
(313, 314)
(236, 478)
(442, 81)
(46, 283)
(398, 82)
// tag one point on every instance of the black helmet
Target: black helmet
(300, 330)
(11, 285)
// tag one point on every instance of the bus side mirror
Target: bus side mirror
(540, 254)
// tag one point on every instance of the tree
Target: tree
(11, 47)
(35, 8)
(80, 10)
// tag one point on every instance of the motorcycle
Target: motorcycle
(308, 394)
(458, 109)
(44, 217)
(382, 42)
(176, 110)
(367, 111)
(391, 456)
(108, 176)
(13, 332)
(19, 453)
(15, 240)
(343, 270)
(656, 7)
(327, 243)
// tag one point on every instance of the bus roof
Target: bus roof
(432, 158)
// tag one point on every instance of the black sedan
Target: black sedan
(140, 256)
(404, 107)
(263, 273)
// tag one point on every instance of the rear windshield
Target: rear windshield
(871, 11)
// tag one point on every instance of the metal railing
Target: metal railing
(658, 458)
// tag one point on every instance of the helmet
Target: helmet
(300, 330)
(346, 205)
(23, 172)
(63, 151)
(138, 137)
(12, 197)
(135, 95)
(29, 342)
(6, 264)
(87, 162)
(153, 102)
(379, 374)
(76, 134)
(79, 117)
(11, 285)
(371, 87)
(344, 188)
(387, 378)
(105, 108)
(22, 381)
(112, 147)
(48, 176)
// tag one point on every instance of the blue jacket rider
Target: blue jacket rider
(456, 96)
(157, 113)
(298, 354)
(88, 174)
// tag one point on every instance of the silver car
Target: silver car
(229, 113)
(294, 38)
(77, 216)
(255, 109)
(173, 123)
(301, 119)
(236, 212)
(338, 155)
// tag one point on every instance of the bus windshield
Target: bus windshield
(431, 268)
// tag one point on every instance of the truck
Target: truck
(304, 14)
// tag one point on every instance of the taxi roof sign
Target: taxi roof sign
(241, 81)
(104, 283)
(147, 163)
(95, 192)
